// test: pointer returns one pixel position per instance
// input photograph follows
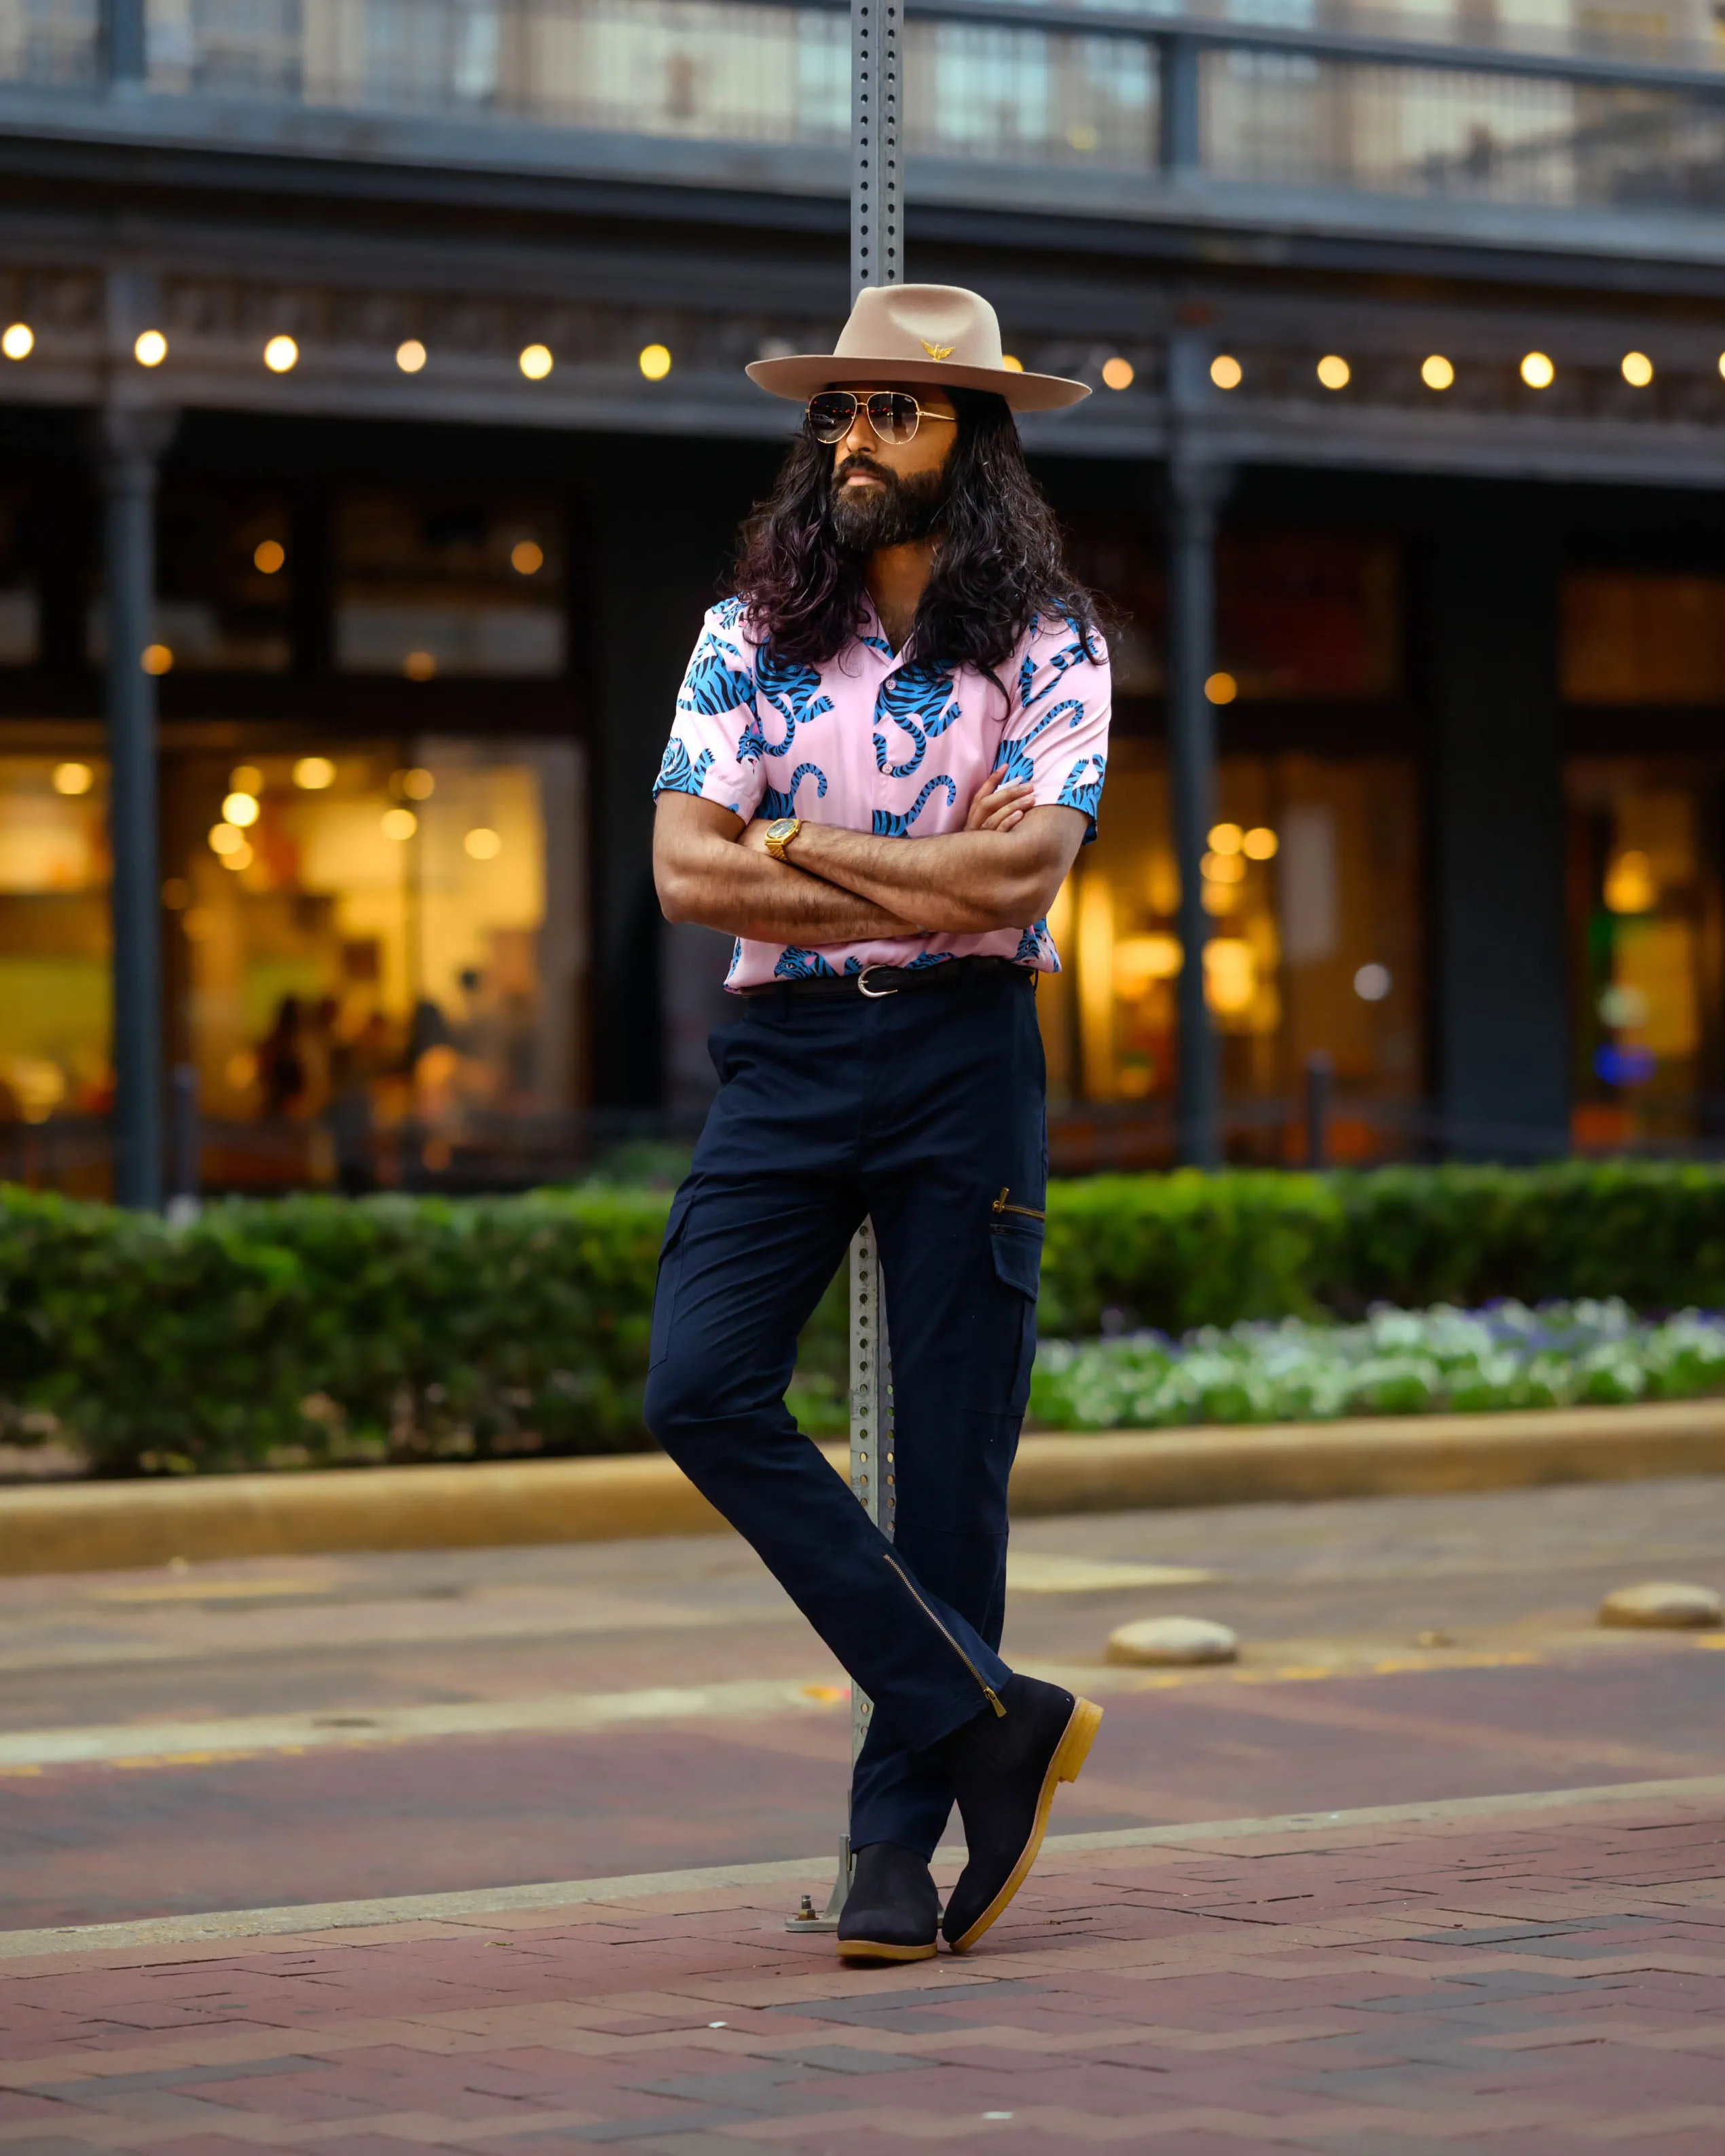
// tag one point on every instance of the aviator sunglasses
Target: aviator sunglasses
(893, 415)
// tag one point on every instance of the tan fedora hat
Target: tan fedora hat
(938, 333)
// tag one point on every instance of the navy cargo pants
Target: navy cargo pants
(919, 1109)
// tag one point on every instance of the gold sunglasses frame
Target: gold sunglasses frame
(860, 404)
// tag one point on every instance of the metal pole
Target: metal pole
(877, 253)
(876, 258)
(1319, 1071)
(125, 43)
(132, 443)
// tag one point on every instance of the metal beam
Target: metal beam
(131, 445)
(877, 169)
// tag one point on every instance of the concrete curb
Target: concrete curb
(299, 1922)
(101, 1526)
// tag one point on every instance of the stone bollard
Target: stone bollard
(1662, 1604)
(1159, 1642)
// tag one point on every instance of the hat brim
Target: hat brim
(800, 375)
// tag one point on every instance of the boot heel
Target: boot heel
(1081, 1735)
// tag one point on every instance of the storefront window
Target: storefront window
(378, 950)
(431, 587)
(1644, 926)
(1633, 636)
(1311, 879)
(53, 937)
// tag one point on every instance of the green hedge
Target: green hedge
(310, 1329)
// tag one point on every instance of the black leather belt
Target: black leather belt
(877, 981)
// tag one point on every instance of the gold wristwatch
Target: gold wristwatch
(780, 834)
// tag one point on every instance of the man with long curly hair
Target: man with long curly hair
(888, 746)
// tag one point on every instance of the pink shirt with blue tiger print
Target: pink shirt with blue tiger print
(875, 742)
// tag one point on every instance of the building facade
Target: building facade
(375, 431)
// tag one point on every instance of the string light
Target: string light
(410, 355)
(1436, 372)
(151, 348)
(281, 355)
(1334, 372)
(1537, 371)
(537, 362)
(1637, 369)
(18, 341)
(1226, 372)
(654, 361)
(1118, 372)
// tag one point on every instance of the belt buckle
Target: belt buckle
(874, 995)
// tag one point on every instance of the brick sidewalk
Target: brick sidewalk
(1528, 1976)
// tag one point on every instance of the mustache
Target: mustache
(863, 464)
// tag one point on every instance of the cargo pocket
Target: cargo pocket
(671, 1273)
(1016, 1242)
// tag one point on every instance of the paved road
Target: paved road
(250, 1734)
(1545, 1978)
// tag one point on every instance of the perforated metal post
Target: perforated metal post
(877, 257)
(874, 1481)
(877, 243)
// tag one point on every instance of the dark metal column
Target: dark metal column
(124, 47)
(1180, 146)
(131, 443)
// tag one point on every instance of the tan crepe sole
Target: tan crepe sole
(875, 1950)
(1069, 1756)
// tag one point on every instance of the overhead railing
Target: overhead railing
(1412, 104)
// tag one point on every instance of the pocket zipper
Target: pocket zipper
(988, 1690)
(1000, 1206)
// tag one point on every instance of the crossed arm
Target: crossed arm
(842, 886)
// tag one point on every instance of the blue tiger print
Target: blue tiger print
(781, 801)
(1014, 766)
(793, 964)
(1085, 793)
(712, 685)
(888, 823)
(1059, 664)
(790, 689)
(676, 774)
(915, 700)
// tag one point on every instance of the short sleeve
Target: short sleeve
(1056, 733)
(716, 746)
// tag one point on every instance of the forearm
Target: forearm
(749, 894)
(963, 883)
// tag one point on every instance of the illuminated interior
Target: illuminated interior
(1312, 882)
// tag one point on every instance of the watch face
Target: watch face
(783, 828)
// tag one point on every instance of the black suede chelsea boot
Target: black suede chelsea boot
(892, 1911)
(1004, 1770)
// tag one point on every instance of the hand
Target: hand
(997, 805)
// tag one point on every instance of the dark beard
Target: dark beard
(896, 514)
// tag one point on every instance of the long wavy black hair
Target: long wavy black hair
(1000, 559)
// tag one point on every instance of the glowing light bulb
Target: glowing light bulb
(654, 361)
(1334, 372)
(151, 348)
(1436, 372)
(281, 355)
(1226, 372)
(156, 658)
(1118, 372)
(18, 341)
(72, 779)
(1221, 688)
(1637, 369)
(1537, 371)
(526, 558)
(535, 361)
(410, 355)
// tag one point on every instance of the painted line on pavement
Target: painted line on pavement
(126, 1745)
(309, 1919)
